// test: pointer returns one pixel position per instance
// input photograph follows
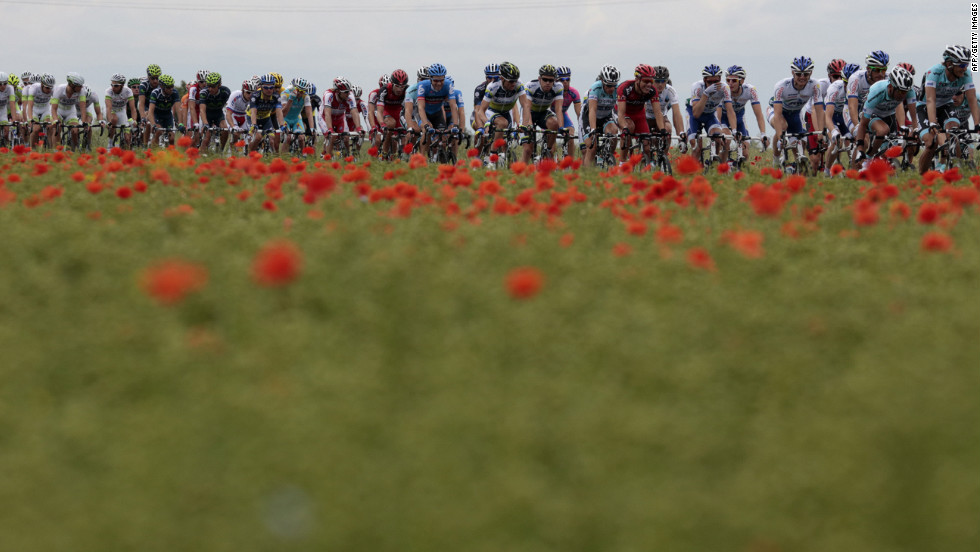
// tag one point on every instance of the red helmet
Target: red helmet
(340, 84)
(399, 77)
(644, 71)
(908, 67)
(836, 66)
(247, 86)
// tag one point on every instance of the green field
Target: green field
(822, 396)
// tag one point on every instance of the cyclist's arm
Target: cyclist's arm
(108, 108)
(178, 117)
(578, 109)
(593, 105)
(254, 114)
(732, 120)
(480, 113)
(658, 113)
(201, 113)
(279, 116)
(372, 118)
(149, 114)
(852, 108)
(423, 116)
(142, 107)
(900, 114)
(454, 111)
(698, 106)
(308, 111)
(828, 115)
(557, 106)
(29, 109)
(228, 117)
(818, 117)
(525, 110)
(971, 99)
(193, 111)
(778, 121)
(83, 110)
(760, 118)
(409, 109)
(675, 111)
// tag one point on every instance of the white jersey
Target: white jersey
(824, 85)
(748, 95)
(668, 99)
(91, 100)
(717, 94)
(836, 95)
(66, 100)
(38, 96)
(858, 86)
(237, 103)
(792, 99)
(121, 100)
(6, 92)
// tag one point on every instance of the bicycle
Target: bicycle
(85, 137)
(605, 154)
(346, 148)
(799, 161)
(10, 134)
(908, 142)
(442, 150)
(955, 151)
(711, 154)
(539, 140)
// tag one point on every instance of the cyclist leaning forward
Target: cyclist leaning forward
(164, 104)
(390, 110)
(669, 102)
(265, 103)
(500, 102)
(632, 96)
(707, 95)
(940, 84)
(599, 113)
(786, 105)
(297, 106)
(546, 100)
(433, 94)
(744, 94)
(211, 101)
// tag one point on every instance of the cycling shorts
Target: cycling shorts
(739, 123)
(163, 118)
(540, 118)
(640, 125)
(944, 115)
(707, 121)
(793, 122)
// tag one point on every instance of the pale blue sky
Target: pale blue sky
(761, 35)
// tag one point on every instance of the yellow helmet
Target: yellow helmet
(13, 79)
(278, 79)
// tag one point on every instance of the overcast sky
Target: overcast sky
(761, 35)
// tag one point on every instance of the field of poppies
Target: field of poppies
(297, 354)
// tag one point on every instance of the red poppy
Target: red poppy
(622, 249)
(168, 282)
(184, 141)
(668, 233)
(836, 170)
(524, 282)
(746, 242)
(124, 192)
(935, 241)
(373, 151)
(928, 213)
(499, 143)
(700, 259)
(893, 152)
(278, 263)
(688, 165)
(472, 152)
(723, 168)
(878, 171)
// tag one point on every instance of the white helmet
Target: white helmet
(609, 74)
(900, 78)
(47, 79)
(119, 77)
(957, 54)
(3, 78)
(75, 78)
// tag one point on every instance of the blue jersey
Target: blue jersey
(412, 93)
(433, 100)
(457, 103)
(945, 88)
(296, 109)
(605, 103)
(881, 104)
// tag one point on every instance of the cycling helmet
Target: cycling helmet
(956, 54)
(609, 74)
(118, 77)
(908, 67)
(423, 73)
(267, 79)
(509, 71)
(835, 66)
(492, 70)
(202, 75)
(711, 71)
(877, 59)
(736, 71)
(75, 78)
(548, 70)
(247, 86)
(213, 78)
(302, 84)
(12, 79)
(153, 70)
(312, 90)
(166, 81)
(437, 70)
(46, 79)
(802, 64)
(383, 81)
(849, 70)
(133, 82)
(340, 84)
(900, 78)
(661, 72)
(564, 72)
(399, 76)
(357, 91)
(27, 77)
(644, 71)
(4, 79)
(277, 79)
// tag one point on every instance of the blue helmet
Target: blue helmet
(564, 72)
(437, 70)
(736, 71)
(877, 59)
(492, 70)
(711, 71)
(849, 70)
(312, 89)
(802, 64)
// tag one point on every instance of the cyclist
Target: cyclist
(834, 69)
(599, 113)
(39, 97)
(374, 123)
(92, 114)
(391, 105)
(707, 95)
(147, 85)
(338, 102)
(571, 97)
(359, 114)
(236, 110)
(119, 99)
(297, 107)
(789, 97)
(265, 110)
(940, 83)
(876, 67)
(70, 100)
(501, 99)
(433, 94)
(884, 111)
(456, 102)
(411, 95)
(491, 73)
(193, 119)
(8, 108)
(546, 99)
(835, 104)
(744, 94)
(917, 90)
(164, 103)
(211, 101)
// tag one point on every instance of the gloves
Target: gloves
(180, 127)
(283, 129)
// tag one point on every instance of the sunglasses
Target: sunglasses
(835, 75)
(646, 81)
(731, 80)
(401, 86)
(877, 69)
(267, 87)
(542, 79)
(437, 81)
(802, 73)
(512, 81)
(962, 65)
(712, 81)
(608, 85)
(566, 79)
(660, 81)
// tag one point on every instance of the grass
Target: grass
(395, 397)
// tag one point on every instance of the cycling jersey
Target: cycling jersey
(718, 93)
(296, 109)
(412, 93)
(747, 95)
(502, 100)
(836, 96)
(668, 99)
(264, 105)
(6, 92)
(880, 104)
(635, 100)
(91, 100)
(961, 111)
(479, 91)
(605, 103)
(38, 96)
(65, 100)
(571, 96)
(193, 92)
(945, 88)
(455, 102)
(338, 110)
(214, 103)
(431, 99)
(163, 101)
(541, 100)
(823, 85)
(237, 103)
(119, 101)
(793, 99)
(145, 88)
(858, 86)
